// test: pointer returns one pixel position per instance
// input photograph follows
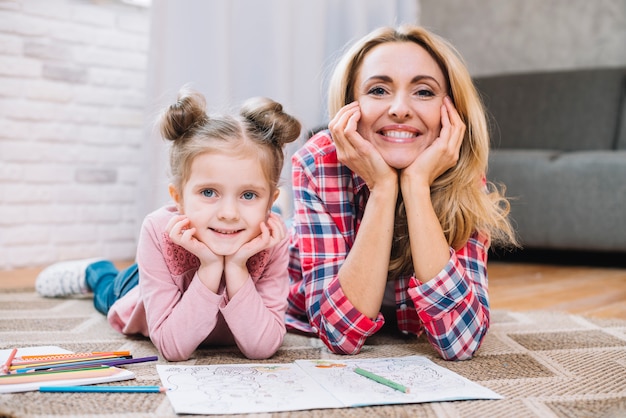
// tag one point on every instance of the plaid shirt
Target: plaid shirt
(452, 309)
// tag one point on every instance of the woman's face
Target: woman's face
(400, 89)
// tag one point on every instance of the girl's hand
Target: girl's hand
(182, 233)
(272, 232)
(443, 153)
(354, 151)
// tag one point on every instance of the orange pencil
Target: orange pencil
(7, 365)
(75, 355)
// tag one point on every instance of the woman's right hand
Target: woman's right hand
(354, 151)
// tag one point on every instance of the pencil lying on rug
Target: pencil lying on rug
(144, 389)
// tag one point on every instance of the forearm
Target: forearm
(454, 306)
(364, 273)
(179, 324)
(257, 326)
(429, 248)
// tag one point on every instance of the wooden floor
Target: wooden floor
(598, 291)
(595, 291)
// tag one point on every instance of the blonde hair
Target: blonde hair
(459, 198)
(262, 127)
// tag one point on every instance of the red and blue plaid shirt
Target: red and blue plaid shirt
(452, 309)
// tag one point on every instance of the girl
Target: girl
(392, 210)
(212, 267)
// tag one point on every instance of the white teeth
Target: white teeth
(225, 232)
(398, 134)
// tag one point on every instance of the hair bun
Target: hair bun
(271, 121)
(181, 117)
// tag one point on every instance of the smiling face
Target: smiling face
(400, 89)
(226, 198)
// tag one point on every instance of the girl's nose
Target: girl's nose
(228, 210)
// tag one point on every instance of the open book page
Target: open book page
(242, 389)
(426, 381)
(117, 375)
(311, 384)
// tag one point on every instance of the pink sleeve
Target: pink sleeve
(256, 314)
(179, 319)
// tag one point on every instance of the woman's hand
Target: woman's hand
(354, 151)
(443, 153)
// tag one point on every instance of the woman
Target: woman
(392, 206)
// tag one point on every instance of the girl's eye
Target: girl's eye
(249, 195)
(208, 193)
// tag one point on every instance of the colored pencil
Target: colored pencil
(80, 364)
(382, 380)
(7, 365)
(75, 355)
(145, 389)
(36, 363)
(82, 373)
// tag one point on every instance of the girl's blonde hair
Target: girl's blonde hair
(461, 202)
(262, 128)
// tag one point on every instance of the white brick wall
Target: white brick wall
(72, 96)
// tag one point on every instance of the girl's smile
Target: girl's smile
(226, 198)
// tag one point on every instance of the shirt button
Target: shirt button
(405, 332)
(403, 306)
(314, 330)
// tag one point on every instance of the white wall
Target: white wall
(72, 80)
(233, 49)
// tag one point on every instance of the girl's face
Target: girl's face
(226, 198)
(400, 90)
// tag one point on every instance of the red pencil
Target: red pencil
(7, 365)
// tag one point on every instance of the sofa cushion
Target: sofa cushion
(565, 200)
(564, 110)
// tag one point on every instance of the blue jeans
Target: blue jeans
(108, 284)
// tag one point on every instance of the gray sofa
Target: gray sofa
(559, 146)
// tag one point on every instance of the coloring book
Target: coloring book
(312, 384)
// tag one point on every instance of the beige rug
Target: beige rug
(545, 364)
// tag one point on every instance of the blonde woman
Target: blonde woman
(393, 212)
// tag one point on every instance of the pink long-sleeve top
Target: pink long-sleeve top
(172, 306)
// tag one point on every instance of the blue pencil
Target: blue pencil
(145, 389)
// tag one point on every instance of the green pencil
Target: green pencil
(382, 380)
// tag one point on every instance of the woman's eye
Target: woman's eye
(376, 91)
(208, 193)
(249, 195)
(425, 93)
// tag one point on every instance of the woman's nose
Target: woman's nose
(400, 107)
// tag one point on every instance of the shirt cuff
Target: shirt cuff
(443, 293)
(343, 317)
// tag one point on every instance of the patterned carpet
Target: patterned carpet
(545, 364)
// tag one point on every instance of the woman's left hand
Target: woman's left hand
(443, 153)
